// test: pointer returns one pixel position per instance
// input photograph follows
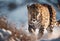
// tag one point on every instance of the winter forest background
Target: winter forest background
(18, 14)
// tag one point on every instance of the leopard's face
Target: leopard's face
(33, 13)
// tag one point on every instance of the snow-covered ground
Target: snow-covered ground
(20, 17)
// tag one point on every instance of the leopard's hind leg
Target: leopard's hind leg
(50, 29)
(52, 18)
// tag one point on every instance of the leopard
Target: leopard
(41, 16)
(58, 23)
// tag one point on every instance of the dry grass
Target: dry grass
(17, 35)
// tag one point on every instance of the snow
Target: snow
(20, 17)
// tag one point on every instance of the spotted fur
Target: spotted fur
(41, 16)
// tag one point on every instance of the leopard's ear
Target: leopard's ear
(27, 6)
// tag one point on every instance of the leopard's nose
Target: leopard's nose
(33, 20)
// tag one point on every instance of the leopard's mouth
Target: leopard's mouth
(36, 24)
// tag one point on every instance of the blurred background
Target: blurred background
(16, 11)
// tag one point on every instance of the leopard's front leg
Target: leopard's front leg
(41, 31)
(30, 28)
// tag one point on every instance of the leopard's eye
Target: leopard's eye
(36, 13)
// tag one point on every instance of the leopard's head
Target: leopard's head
(33, 13)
